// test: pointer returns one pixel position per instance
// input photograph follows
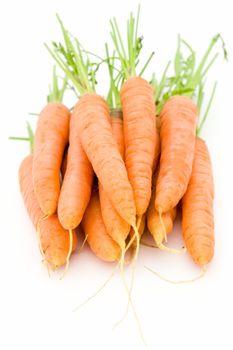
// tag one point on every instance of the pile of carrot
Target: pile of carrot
(124, 165)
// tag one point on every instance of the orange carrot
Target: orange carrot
(140, 137)
(50, 141)
(99, 240)
(54, 239)
(94, 128)
(115, 225)
(76, 187)
(197, 208)
(177, 134)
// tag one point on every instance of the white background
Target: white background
(35, 310)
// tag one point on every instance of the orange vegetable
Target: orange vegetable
(140, 137)
(50, 141)
(76, 187)
(197, 208)
(54, 239)
(94, 128)
(115, 225)
(177, 135)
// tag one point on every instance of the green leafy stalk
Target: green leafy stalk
(207, 110)
(74, 61)
(29, 139)
(55, 93)
(189, 78)
(129, 57)
(113, 97)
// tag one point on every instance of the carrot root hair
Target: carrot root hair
(68, 254)
(171, 250)
(202, 274)
(97, 291)
(129, 290)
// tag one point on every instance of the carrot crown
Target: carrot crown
(129, 57)
(189, 79)
(74, 61)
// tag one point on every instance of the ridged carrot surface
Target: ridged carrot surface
(98, 239)
(115, 225)
(140, 137)
(94, 128)
(77, 183)
(177, 135)
(50, 141)
(197, 208)
(54, 239)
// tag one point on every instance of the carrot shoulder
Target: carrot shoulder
(197, 208)
(50, 141)
(54, 239)
(177, 135)
(96, 137)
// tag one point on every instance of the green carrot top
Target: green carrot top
(129, 57)
(74, 61)
(189, 78)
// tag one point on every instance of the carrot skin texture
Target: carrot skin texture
(77, 183)
(94, 128)
(103, 246)
(50, 141)
(140, 137)
(177, 135)
(197, 208)
(54, 238)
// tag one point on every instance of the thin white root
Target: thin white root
(47, 265)
(98, 290)
(82, 246)
(129, 291)
(68, 254)
(172, 250)
(203, 271)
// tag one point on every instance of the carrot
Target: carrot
(50, 141)
(54, 239)
(99, 240)
(197, 203)
(76, 187)
(94, 129)
(137, 99)
(177, 134)
(115, 225)
(197, 208)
